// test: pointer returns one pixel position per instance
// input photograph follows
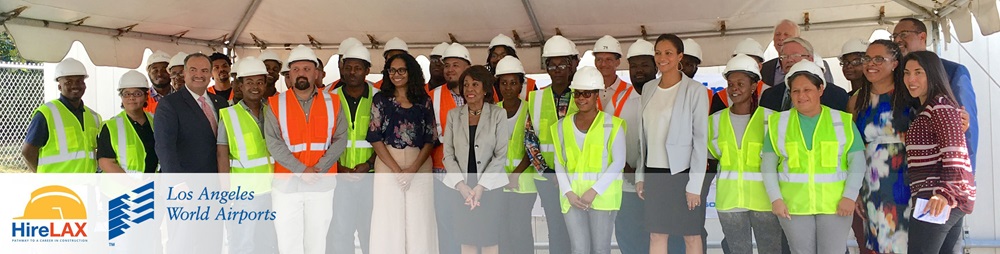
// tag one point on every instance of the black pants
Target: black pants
(548, 192)
(933, 238)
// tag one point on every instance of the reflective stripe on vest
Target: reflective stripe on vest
(126, 143)
(543, 115)
(740, 183)
(586, 166)
(70, 146)
(516, 152)
(307, 138)
(811, 180)
(249, 160)
(622, 92)
(358, 148)
(443, 102)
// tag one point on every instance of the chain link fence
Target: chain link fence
(21, 90)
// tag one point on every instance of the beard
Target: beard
(302, 84)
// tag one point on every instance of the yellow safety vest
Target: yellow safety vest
(811, 181)
(740, 183)
(515, 153)
(544, 114)
(70, 147)
(251, 165)
(126, 143)
(358, 149)
(586, 166)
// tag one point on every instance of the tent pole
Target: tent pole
(110, 32)
(534, 20)
(916, 8)
(243, 24)
(951, 7)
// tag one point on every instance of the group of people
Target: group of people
(455, 165)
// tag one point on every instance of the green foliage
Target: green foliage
(8, 51)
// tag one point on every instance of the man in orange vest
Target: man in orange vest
(156, 68)
(436, 67)
(751, 48)
(445, 98)
(221, 66)
(305, 133)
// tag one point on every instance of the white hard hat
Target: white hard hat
(350, 42)
(819, 61)
(358, 52)
(395, 44)
(558, 46)
(640, 48)
(854, 46)
(576, 51)
(587, 78)
(457, 50)
(302, 53)
(608, 44)
(70, 67)
(502, 40)
(439, 49)
(235, 69)
(284, 68)
(742, 63)
(177, 60)
(509, 65)
(133, 79)
(807, 66)
(749, 47)
(268, 55)
(692, 48)
(251, 66)
(158, 57)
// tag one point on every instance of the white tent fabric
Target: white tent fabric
(116, 32)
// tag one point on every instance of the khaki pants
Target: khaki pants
(403, 222)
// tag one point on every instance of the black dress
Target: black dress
(481, 226)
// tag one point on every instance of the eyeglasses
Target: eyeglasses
(400, 71)
(852, 63)
(132, 94)
(797, 56)
(560, 67)
(902, 34)
(584, 94)
(878, 60)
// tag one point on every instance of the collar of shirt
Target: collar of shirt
(74, 109)
(157, 96)
(364, 94)
(263, 108)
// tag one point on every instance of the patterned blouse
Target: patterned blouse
(937, 156)
(400, 127)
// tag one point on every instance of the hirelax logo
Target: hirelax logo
(53, 214)
(130, 209)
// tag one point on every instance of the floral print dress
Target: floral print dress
(885, 193)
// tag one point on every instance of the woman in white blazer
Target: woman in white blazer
(673, 151)
(475, 152)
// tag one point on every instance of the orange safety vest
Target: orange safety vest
(725, 95)
(150, 104)
(619, 104)
(211, 90)
(443, 102)
(378, 85)
(307, 139)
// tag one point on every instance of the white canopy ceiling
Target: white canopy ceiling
(116, 32)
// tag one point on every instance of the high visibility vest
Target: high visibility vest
(126, 143)
(724, 94)
(620, 97)
(585, 167)
(150, 104)
(211, 90)
(70, 147)
(740, 183)
(543, 115)
(307, 139)
(515, 153)
(358, 149)
(250, 163)
(443, 102)
(811, 181)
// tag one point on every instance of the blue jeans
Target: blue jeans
(590, 231)
(629, 228)
(548, 192)
(352, 211)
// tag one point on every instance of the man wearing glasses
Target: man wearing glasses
(794, 50)
(773, 71)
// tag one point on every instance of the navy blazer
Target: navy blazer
(185, 141)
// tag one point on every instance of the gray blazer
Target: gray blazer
(492, 136)
(687, 138)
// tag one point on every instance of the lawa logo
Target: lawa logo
(130, 209)
(53, 212)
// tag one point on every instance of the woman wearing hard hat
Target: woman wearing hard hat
(736, 136)
(590, 157)
(673, 151)
(501, 47)
(475, 152)
(821, 160)
(520, 190)
(126, 144)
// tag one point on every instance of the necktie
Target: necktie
(205, 108)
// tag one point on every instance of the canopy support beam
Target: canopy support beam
(243, 23)
(951, 7)
(917, 9)
(534, 20)
(112, 32)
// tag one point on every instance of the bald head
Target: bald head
(783, 30)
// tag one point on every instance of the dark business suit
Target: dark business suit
(187, 144)
(767, 72)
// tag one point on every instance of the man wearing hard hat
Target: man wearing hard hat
(305, 132)
(352, 201)
(221, 67)
(348, 43)
(436, 67)
(502, 46)
(62, 135)
(445, 98)
(692, 58)
(545, 107)
(176, 70)
(243, 152)
(641, 65)
(156, 68)
(273, 64)
(394, 46)
(126, 144)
